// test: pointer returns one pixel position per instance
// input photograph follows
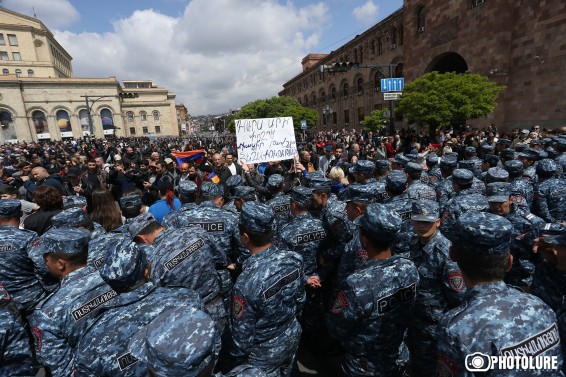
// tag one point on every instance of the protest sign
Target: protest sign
(266, 139)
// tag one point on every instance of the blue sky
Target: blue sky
(215, 55)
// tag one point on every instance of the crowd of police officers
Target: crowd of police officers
(411, 269)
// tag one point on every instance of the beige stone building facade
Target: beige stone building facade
(40, 100)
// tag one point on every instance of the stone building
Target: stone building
(41, 100)
(519, 45)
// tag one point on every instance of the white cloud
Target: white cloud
(366, 13)
(53, 13)
(244, 49)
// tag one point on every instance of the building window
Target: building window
(3, 55)
(132, 130)
(360, 86)
(144, 130)
(334, 118)
(477, 3)
(155, 115)
(84, 120)
(346, 117)
(333, 94)
(306, 101)
(393, 38)
(5, 72)
(39, 122)
(143, 115)
(377, 80)
(16, 56)
(30, 73)
(12, 40)
(421, 19)
(361, 114)
(63, 121)
(130, 116)
(157, 129)
(18, 73)
(379, 46)
(313, 99)
(372, 48)
(5, 118)
(107, 120)
(346, 88)
(323, 96)
(2, 41)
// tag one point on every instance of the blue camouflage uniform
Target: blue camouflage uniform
(418, 189)
(373, 307)
(186, 189)
(521, 190)
(494, 319)
(401, 204)
(17, 271)
(232, 183)
(441, 288)
(444, 189)
(267, 298)
(433, 172)
(467, 200)
(178, 342)
(15, 353)
(279, 203)
(103, 349)
(183, 258)
(550, 193)
(61, 319)
(74, 201)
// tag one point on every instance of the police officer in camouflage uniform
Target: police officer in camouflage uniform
(279, 203)
(103, 350)
(433, 169)
(243, 194)
(417, 189)
(363, 171)
(267, 297)
(440, 288)
(470, 154)
(15, 353)
(395, 185)
(187, 190)
(494, 319)
(550, 193)
(232, 183)
(523, 191)
(373, 307)
(60, 320)
(528, 157)
(444, 189)
(17, 271)
(183, 258)
(466, 199)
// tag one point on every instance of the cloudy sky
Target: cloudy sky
(215, 55)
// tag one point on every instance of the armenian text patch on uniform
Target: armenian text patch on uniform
(279, 284)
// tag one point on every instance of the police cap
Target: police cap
(425, 210)
(380, 222)
(359, 194)
(396, 181)
(257, 217)
(484, 233)
(187, 188)
(138, 223)
(10, 208)
(496, 175)
(463, 177)
(302, 196)
(65, 241)
(74, 201)
(211, 190)
(275, 181)
(498, 192)
(244, 192)
(363, 167)
(72, 217)
(124, 265)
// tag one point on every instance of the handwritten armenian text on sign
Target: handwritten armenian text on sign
(266, 139)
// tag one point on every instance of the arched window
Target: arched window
(372, 48)
(356, 60)
(306, 101)
(155, 115)
(18, 73)
(377, 80)
(84, 120)
(345, 89)
(393, 37)
(107, 121)
(360, 86)
(39, 122)
(30, 73)
(399, 70)
(5, 118)
(333, 93)
(143, 115)
(379, 46)
(5, 72)
(323, 96)
(130, 116)
(421, 19)
(313, 96)
(64, 123)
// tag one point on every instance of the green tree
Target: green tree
(440, 99)
(275, 107)
(375, 121)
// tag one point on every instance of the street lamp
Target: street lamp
(326, 111)
(89, 109)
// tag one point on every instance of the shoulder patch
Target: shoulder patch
(445, 367)
(340, 304)
(35, 243)
(456, 281)
(518, 199)
(4, 295)
(38, 340)
(238, 307)
(535, 345)
(126, 360)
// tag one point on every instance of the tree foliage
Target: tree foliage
(440, 99)
(375, 121)
(275, 107)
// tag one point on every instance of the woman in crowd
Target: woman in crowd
(105, 210)
(50, 202)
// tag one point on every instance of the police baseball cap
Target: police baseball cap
(187, 188)
(467, 164)
(396, 181)
(470, 150)
(413, 168)
(302, 196)
(359, 194)
(234, 181)
(178, 342)
(380, 222)
(514, 167)
(72, 217)
(425, 210)
(496, 175)
(520, 147)
(546, 167)
(257, 217)
(498, 192)
(491, 159)
(275, 181)
(536, 142)
(211, 190)
(74, 201)
(401, 159)
(313, 175)
(504, 142)
(463, 177)
(449, 161)
(529, 153)
(10, 208)
(432, 159)
(363, 167)
(130, 201)
(483, 233)
(64, 241)
(124, 265)
(138, 223)
(244, 192)
(320, 184)
(487, 148)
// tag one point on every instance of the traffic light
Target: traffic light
(339, 67)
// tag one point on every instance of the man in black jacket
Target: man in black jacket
(42, 177)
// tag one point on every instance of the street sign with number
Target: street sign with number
(393, 84)
(391, 96)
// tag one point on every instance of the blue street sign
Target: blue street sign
(303, 124)
(392, 84)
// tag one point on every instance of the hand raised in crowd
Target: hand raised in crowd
(313, 282)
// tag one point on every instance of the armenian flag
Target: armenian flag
(195, 157)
